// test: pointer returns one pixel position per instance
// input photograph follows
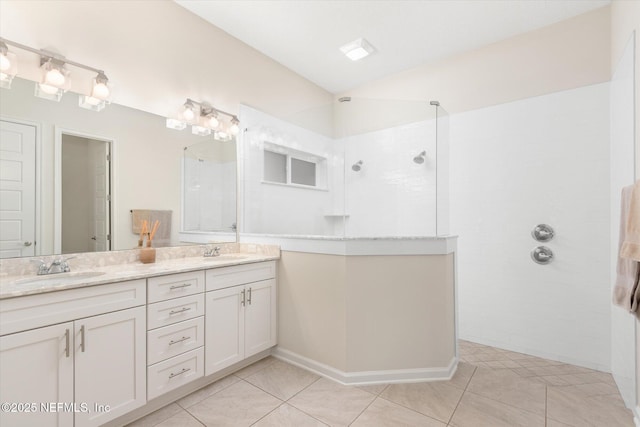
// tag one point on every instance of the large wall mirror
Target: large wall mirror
(70, 178)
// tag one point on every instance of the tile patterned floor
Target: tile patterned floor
(491, 388)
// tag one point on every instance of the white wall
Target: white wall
(622, 174)
(538, 160)
(391, 195)
(280, 209)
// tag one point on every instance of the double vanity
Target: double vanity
(87, 347)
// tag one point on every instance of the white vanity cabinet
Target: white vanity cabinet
(83, 371)
(175, 336)
(240, 313)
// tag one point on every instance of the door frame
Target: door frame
(57, 180)
(38, 179)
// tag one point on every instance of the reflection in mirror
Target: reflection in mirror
(145, 172)
(85, 220)
(209, 192)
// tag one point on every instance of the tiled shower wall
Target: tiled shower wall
(538, 160)
(391, 195)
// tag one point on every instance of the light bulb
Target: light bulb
(51, 90)
(234, 128)
(100, 91)
(54, 77)
(5, 63)
(188, 114)
(212, 121)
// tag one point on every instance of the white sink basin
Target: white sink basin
(59, 277)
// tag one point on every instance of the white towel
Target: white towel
(163, 234)
(631, 246)
(625, 292)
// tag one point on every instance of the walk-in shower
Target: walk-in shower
(304, 175)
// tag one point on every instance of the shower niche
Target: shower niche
(357, 168)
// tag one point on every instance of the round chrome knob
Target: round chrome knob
(543, 233)
(542, 255)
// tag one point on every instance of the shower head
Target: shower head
(357, 166)
(419, 159)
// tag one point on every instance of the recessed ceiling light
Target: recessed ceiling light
(357, 49)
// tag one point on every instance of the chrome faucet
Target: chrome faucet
(58, 265)
(212, 252)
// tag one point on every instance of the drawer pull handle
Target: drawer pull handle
(66, 337)
(180, 340)
(179, 373)
(182, 310)
(82, 344)
(242, 301)
(184, 285)
(249, 297)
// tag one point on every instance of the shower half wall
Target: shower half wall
(356, 195)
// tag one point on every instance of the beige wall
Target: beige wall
(157, 54)
(400, 312)
(312, 307)
(367, 313)
(569, 54)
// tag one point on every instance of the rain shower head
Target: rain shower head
(419, 159)
(357, 166)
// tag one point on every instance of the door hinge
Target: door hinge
(108, 237)
(108, 197)
(108, 157)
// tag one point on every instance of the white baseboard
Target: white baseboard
(636, 416)
(368, 377)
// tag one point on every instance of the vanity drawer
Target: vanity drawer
(174, 285)
(218, 278)
(175, 372)
(174, 310)
(169, 341)
(33, 311)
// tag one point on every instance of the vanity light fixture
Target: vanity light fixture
(8, 66)
(205, 120)
(357, 49)
(55, 80)
(99, 95)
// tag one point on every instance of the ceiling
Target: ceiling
(305, 35)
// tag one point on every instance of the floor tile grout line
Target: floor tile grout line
(365, 408)
(299, 409)
(177, 402)
(268, 413)
(195, 418)
(410, 409)
(475, 369)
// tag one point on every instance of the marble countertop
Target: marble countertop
(17, 286)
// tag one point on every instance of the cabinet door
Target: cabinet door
(110, 366)
(224, 337)
(37, 367)
(260, 317)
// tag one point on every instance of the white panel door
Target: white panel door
(37, 366)
(224, 336)
(260, 317)
(17, 189)
(110, 366)
(99, 152)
